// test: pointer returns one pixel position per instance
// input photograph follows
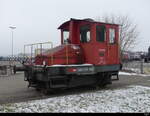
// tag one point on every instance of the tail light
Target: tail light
(71, 69)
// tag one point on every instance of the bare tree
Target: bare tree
(128, 30)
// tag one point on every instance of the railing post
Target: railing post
(31, 52)
(67, 53)
(41, 48)
(36, 50)
(52, 54)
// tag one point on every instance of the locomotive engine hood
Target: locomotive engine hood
(63, 54)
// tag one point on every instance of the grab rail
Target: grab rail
(37, 48)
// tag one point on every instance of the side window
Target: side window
(100, 33)
(65, 36)
(85, 33)
(111, 36)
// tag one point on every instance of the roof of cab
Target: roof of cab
(85, 20)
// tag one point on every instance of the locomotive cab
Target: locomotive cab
(98, 41)
(88, 55)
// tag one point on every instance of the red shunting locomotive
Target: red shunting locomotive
(88, 55)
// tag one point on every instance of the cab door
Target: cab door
(85, 36)
(112, 45)
(100, 45)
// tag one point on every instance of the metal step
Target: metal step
(57, 77)
(58, 86)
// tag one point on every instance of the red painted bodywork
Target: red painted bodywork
(60, 54)
(86, 52)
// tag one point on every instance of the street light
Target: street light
(12, 28)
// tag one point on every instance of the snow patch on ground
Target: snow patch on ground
(130, 74)
(136, 70)
(130, 99)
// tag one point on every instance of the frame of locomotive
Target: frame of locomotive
(99, 57)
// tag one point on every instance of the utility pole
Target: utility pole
(12, 49)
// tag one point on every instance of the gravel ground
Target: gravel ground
(133, 99)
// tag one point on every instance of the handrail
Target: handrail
(41, 46)
(39, 43)
(51, 54)
(67, 59)
(67, 52)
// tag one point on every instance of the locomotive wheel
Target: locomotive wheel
(105, 80)
(46, 90)
(38, 89)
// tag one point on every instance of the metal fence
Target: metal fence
(137, 67)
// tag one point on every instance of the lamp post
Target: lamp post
(12, 28)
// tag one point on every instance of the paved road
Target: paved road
(14, 88)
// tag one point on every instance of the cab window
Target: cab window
(111, 36)
(85, 34)
(65, 36)
(100, 33)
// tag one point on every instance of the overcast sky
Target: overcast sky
(37, 20)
